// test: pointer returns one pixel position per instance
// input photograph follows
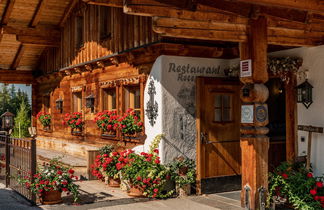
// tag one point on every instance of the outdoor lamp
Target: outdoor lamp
(90, 102)
(59, 104)
(304, 94)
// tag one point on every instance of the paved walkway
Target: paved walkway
(96, 195)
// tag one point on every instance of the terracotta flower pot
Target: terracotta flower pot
(183, 171)
(51, 197)
(135, 192)
(113, 182)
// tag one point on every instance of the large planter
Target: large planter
(109, 135)
(113, 182)
(76, 131)
(47, 128)
(51, 197)
(138, 137)
(183, 191)
(135, 192)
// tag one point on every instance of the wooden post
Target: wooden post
(7, 141)
(254, 142)
(33, 163)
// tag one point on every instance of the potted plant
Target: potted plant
(131, 125)
(183, 173)
(45, 120)
(75, 122)
(50, 181)
(107, 122)
(146, 175)
(295, 187)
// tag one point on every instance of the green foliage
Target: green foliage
(130, 123)
(155, 143)
(297, 185)
(10, 99)
(183, 171)
(107, 149)
(44, 118)
(22, 122)
(52, 176)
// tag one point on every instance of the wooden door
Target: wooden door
(218, 125)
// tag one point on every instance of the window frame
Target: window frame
(105, 29)
(103, 99)
(222, 107)
(79, 27)
(80, 101)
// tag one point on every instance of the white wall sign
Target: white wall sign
(247, 114)
(246, 68)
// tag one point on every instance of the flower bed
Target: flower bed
(296, 186)
(144, 173)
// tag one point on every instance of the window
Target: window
(223, 108)
(105, 24)
(109, 99)
(133, 98)
(79, 32)
(77, 101)
(47, 104)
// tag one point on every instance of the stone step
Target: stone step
(78, 164)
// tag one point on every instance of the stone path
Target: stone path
(96, 195)
(10, 200)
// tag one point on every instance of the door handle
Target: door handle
(203, 138)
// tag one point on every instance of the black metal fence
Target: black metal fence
(17, 158)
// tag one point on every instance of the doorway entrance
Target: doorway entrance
(218, 142)
(277, 122)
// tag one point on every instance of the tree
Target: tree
(22, 122)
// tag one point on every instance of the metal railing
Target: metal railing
(17, 158)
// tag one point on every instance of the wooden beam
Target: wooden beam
(7, 12)
(68, 11)
(18, 57)
(39, 32)
(38, 13)
(156, 8)
(16, 77)
(38, 41)
(234, 31)
(309, 5)
(1, 33)
(108, 3)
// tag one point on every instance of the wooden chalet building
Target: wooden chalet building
(133, 53)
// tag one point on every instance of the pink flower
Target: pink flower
(155, 190)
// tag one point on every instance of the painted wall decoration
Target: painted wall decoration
(174, 78)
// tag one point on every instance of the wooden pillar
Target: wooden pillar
(291, 119)
(34, 104)
(254, 142)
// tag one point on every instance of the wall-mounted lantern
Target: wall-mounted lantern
(90, 102)
(59, 104)
(304, 94)
(7, 120)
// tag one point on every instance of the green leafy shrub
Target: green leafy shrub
(296, 185)
(183, 171)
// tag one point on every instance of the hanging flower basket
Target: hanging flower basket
(51, 197)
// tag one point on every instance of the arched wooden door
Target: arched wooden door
(218, 125)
